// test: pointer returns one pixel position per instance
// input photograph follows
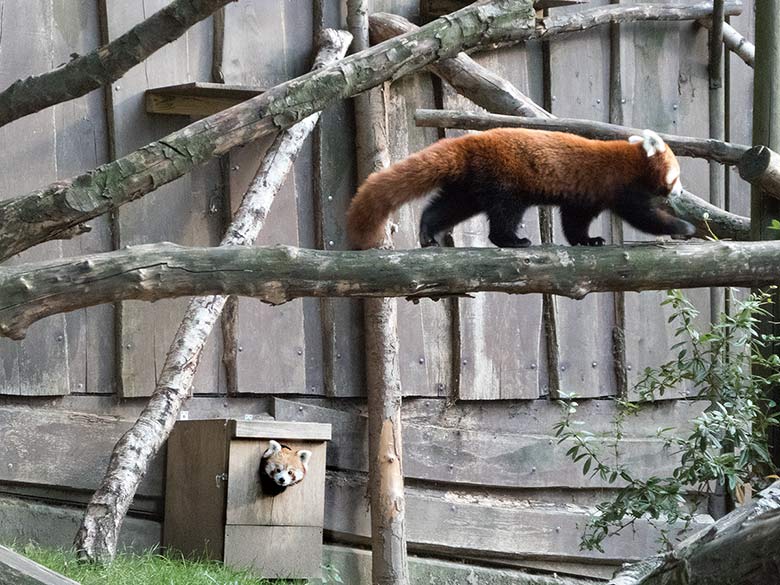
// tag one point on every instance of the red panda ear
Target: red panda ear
(304, 456)
(273, 449)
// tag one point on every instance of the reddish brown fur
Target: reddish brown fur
(548, 167)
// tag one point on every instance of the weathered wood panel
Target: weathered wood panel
(186, 211)
(482, 456)
(739, 116)
(275, 551)
(665, 87)
(267, 43)
(579, 86)
(500, 336)
(457, 523)
(29, 156)
(60, 448)
(54, 526)
(354, 566)
(19, 570)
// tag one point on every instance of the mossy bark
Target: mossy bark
(279, 274)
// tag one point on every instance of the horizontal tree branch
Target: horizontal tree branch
(105, 64)
(281, 273)
(706, 148)
(34, 218)
(558, 24)
(735, 42)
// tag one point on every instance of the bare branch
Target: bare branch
(735, 42)
(105, 64)
(281, 273)
(706, 148)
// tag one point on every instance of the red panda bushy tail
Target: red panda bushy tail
(385, 191)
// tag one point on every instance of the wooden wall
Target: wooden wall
(486, 477)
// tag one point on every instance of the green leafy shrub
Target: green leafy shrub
(730, 369)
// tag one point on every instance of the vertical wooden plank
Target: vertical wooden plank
(266, 43)
(39, 364)
(82, 144)
(665, 85)
(579, 84)
(739, 107)
(423, 329)
(182, 212)
(500, 335)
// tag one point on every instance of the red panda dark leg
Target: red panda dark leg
(505, 214)
(641, 214)
(446, 210)
(576, 220)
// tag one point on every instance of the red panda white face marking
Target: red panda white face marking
(283, 466)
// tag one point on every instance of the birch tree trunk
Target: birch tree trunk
(96, 539)
(383, 372)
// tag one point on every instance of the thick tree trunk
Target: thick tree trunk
(739, 549)
(97, 537)
(85, 73)
(279, 274)
(497, 95)
(383, 372)
(45, 214)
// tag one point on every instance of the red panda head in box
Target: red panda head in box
(281, 467)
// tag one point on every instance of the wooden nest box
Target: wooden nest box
(215, 507)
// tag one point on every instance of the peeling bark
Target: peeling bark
(739, 549)
(97, 537)
(84, 73)
(278, 274)
(42, 215)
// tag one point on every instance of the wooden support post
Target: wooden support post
(766, 130)
(383, 373)
(717, 132)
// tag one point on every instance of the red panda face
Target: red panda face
(283, 466)
(662, 164)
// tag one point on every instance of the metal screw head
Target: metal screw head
(240, 348)
(421, 360)
(593, 364)
(299, 352)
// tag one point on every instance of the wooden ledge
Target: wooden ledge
(198, 98)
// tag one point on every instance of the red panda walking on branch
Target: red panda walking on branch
(504, 171)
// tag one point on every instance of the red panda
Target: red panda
(504, 171)
(281, 467)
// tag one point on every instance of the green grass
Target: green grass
(144, 569)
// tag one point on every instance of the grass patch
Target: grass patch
(142, 569)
